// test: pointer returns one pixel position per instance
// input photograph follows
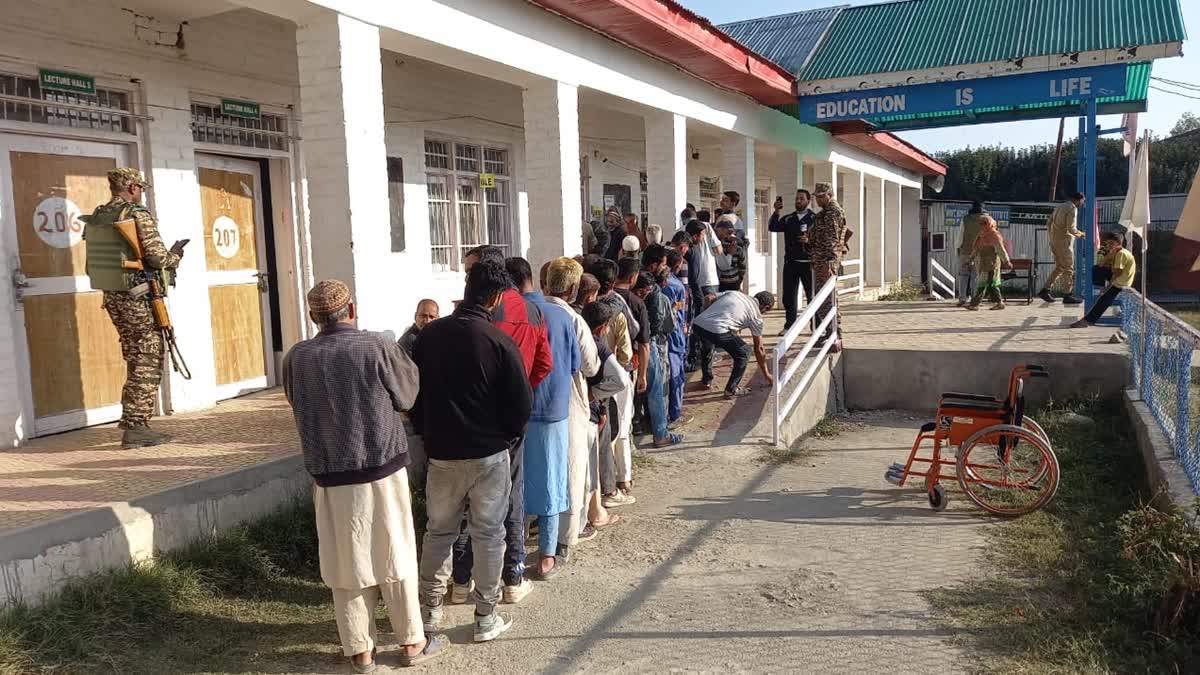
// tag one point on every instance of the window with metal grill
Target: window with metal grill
(469, 200)
(22, 99)
(209, 125)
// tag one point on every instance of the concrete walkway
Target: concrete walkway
(729, 563)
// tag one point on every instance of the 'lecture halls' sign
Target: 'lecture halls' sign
(1074, 84)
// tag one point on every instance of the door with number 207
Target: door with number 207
(234, 250)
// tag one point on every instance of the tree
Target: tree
(1187, 122)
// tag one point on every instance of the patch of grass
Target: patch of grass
(784, 455)
(832, 426)
(907, 290)
(1057, 596)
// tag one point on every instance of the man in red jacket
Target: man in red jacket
(521, 320)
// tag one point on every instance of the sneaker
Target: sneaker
(1045, 295)
(514, 594)
(972, 308)
(617, 499)
(736, 393)
(998, 305)
(587, 534)
(962, 303)
(1082, 323)
(1072, 299)
(460, 592)
(142, 437)
(431, 618)
(683, 421)
(490, 627)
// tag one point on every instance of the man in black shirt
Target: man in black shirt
(797, 263)
(473, 406)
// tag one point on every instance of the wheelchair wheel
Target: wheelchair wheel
(1026, 422)
(938, 499)
(1008, 470)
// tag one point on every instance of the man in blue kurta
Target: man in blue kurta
(547, 439)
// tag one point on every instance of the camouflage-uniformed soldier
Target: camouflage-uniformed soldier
(826, 245)
(1063, 233)
(141, 342)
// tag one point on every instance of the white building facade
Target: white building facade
(374, 142)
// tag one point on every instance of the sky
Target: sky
(1164, 109)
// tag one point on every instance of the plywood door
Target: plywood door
(230, 203)
(70, 365)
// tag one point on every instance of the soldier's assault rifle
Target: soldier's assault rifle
(150, 286)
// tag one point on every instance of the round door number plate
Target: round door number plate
(56, 222)
(226, 236)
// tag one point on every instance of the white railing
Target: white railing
(782, 408)
(938, 279)
(856, 288)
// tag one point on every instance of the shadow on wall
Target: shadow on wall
(916, 379)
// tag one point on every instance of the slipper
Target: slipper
(671, 439)
(367, 668)
(550, 573)
(434, 647)
(613, 519)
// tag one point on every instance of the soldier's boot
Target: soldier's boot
(142, 437)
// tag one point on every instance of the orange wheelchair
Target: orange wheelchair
(1003, 460)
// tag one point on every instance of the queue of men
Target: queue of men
(522, 404)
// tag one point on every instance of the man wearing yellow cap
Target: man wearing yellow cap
(141, 343)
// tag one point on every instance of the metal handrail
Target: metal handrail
(857, 275)
(935, 269)
(782, 408)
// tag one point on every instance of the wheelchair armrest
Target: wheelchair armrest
(928, 427)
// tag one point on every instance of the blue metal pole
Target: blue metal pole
(1089, 219)
(1081, 166)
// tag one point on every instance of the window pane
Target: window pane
(439, 222)
(466, 158)
(495, 161)
(499, 220)
(470, 233)
(437, 155)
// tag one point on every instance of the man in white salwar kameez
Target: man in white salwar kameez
(347, 389)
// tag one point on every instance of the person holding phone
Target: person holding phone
(797, 261)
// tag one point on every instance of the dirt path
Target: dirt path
(728, 563)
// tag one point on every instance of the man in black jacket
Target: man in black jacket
(797, 263)
(474, 404)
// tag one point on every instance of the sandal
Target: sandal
(671, 439)
(613, 519)
(434, 647)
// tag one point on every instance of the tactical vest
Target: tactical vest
(106, 250)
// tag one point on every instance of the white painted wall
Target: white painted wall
(460, 73)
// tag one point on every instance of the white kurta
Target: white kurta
(365, 533)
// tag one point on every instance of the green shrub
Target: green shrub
(905, 291)
(1162, 574)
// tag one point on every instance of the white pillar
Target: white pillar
(176, 202)
(873, 231)
(552, 175)
(666, 169)
(789, 177)
(341, 98)
(893, 232)
(911, 232)
(737, 174)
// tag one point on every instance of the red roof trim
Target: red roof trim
(667, 30)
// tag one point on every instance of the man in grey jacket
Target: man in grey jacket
(347, 388)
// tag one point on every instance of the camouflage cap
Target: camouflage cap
(822, 189)
(126, 177)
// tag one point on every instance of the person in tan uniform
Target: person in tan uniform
(1062, 234)
(828, 242)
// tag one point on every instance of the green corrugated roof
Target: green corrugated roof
(921, 34)
(1137, 84)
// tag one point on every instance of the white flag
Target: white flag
(1135, 214)
(1130, 122)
